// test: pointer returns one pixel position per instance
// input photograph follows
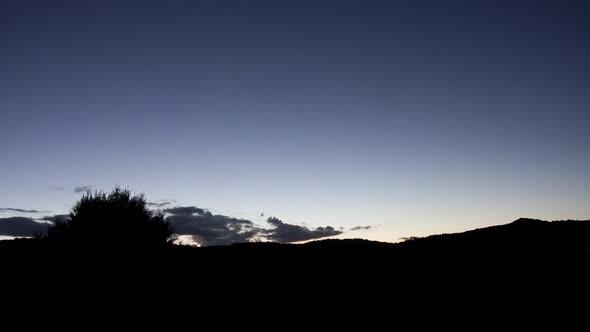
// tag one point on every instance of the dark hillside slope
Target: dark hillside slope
(523, 237)
(523, 254)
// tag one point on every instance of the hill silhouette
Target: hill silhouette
(527, 259)
(530, 239)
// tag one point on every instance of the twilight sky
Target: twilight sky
(419, 116)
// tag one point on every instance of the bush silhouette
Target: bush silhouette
(115, 219)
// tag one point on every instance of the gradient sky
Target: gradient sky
(419, 116)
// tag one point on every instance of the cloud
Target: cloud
(204, 227)
(185, 210)
(159, 205)
(81, 189)
(359, 228)
(283, 232)
(215, 229)
(57, 217)
(209, 229)
(21, 226)
(21, 210)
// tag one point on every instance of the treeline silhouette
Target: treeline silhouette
(116, 220)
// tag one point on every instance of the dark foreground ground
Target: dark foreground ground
(527, 260)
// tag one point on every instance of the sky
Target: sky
(411, 117)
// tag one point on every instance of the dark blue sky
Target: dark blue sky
(419, 116)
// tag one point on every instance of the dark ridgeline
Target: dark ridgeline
(113, 243)
(520, 264)
(514, 245)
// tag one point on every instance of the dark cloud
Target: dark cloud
(359, 228)
(21, 210)
(203, 226)
(283, 232)
(21, 227)
(57, 217)
(209, 229)
(160, 204)
(81, 189)
(185, 210)
(215, 229)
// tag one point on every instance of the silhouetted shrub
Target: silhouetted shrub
(115, 219)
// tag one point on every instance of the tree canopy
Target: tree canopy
(118, 218)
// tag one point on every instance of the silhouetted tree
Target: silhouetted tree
(115, 219)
